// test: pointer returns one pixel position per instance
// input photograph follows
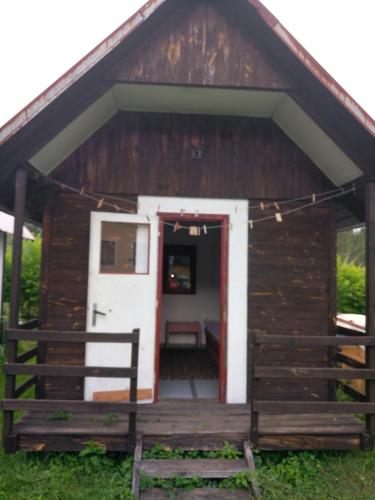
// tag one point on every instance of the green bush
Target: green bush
(351, 287)
(29, 298)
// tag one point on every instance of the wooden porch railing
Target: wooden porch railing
(16, 365)
(299, 373)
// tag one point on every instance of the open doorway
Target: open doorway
(191, 318)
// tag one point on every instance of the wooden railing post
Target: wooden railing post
(370, 297)
(133, 394)
(9, 440)
(10, 380)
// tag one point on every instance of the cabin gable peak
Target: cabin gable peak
(201, 44)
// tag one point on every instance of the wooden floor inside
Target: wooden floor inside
(202, 425)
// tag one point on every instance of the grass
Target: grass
(94, 474)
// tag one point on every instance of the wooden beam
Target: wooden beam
(314, 373)
(313, 341)
(249, 459)
(338, 407)
(9, 439)
(68, 336)
(19, 217)
(69, 371)
(370, 296)
(49, 405)
(137, 466)
(133, 393)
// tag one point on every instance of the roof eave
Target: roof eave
(57, 88)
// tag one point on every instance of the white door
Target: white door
(121, 296)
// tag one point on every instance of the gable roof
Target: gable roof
(20, 126)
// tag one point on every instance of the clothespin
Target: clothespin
(262, 205)
(196, 213)
(101, 203)
(277, 206)
(82, 191)
(182, 211)
(251, 224)
(177, 227)
(314, 198)
(205, 229)
(117, 208)
(279, 217)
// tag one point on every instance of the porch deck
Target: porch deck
(202, 425)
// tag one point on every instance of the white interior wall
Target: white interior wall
(237, 278)
(204, 304)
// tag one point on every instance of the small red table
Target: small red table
(193, 327)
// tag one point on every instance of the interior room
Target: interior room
(190, 340)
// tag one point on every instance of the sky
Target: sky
(41, 39)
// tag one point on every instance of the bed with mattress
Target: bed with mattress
(212, 331)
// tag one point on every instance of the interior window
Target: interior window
(124, 248)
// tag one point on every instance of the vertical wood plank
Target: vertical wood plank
(10, 380)
(19, 216)
(9, 440)
(370, 296)
(133, 394)
(249, 458)
(137, 466)
(44, 287)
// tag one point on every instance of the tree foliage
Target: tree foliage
(351, 287)
(29, 294)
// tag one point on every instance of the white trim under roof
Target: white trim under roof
(308, 136)
(7, 226)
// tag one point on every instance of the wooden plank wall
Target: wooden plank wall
(151, 154)
(290, 265)
(203, 45)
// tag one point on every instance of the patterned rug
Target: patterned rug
(187, 364)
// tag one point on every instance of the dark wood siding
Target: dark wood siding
(290, 265)
(200, 45)
(151, 154)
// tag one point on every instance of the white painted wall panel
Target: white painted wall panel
(237, 275)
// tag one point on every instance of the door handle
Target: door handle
(95, 312)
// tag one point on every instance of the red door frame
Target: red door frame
(224, 251)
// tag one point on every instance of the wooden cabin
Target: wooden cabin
(190, 174)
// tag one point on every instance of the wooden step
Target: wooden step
(210, 468)
(196, 494)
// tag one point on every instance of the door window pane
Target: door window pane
(124, 248)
